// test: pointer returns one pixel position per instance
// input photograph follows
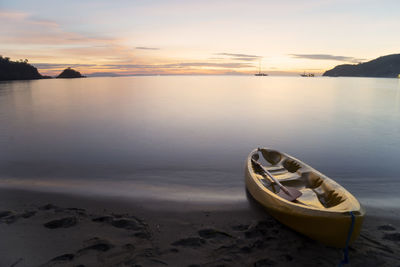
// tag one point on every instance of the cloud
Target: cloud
(147, 69)
(12, 15)
(46, 66)
(27, 32)
(243, 57)
(147, 48)
(327, 57)
(25, 29)
(103, 74)
(236, 55)
(180, 65)
(48, 41)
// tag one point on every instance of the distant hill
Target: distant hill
(103, 74)
(386, 66)
(70, 73)
(18, 70)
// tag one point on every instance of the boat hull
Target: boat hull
(329, 227)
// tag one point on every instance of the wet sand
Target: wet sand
(48, 229)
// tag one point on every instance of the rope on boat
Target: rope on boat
(346, 248)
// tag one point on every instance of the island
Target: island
(18, 70)
(385, 67)
(103, 74)
(70, 73)
(22, 70)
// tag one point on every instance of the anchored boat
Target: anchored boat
(259, 71)
(304, 199)
(307, 74)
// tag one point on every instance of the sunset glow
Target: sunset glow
(191, 37)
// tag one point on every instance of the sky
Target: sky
(197, 37)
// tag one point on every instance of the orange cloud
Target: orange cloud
(51, 48)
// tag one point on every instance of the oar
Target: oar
(287, 193)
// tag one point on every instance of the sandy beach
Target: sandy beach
(160, 133)
(48, 229)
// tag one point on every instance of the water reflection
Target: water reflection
(167, 132)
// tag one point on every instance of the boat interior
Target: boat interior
(317, 190)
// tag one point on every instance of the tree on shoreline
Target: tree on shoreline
(17, 70)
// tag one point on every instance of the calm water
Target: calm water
(186, 138)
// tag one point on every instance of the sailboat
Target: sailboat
(307, 74)
(259, 71)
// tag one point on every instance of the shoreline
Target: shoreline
(53, 229)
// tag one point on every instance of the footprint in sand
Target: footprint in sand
(240, 227)
(392, 237)
(264, 262)
(5, 213)
(11, 217)
(130, 223)
(212, 233)
(189, 242)
(64, 257)
(261, 229)
(386, 227)
(61, 223)
(98, 245)
(48, 207)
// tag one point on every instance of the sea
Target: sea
(186, 138)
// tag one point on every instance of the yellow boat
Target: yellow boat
(323, 210)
